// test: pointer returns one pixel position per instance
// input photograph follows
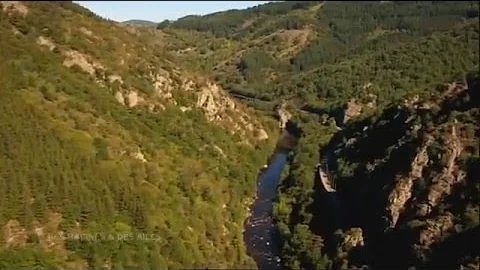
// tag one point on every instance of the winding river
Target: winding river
(261, 235)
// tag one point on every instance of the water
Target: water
(261, 235)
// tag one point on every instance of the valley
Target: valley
(289, 135)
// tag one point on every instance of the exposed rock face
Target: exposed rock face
(14, 234)
(352, 110)
(219, 107)
(119, 97)
(402, 191)
(140, 156)
(411, 101)
(216, 104)
(284, 115)
(353, 238)
(133, 98)
(18, 7)
(443, 182)
(220, 151)
(435, 229)
(83, 61)
(49, 235)
(42, 41)
(115, 78)
(207, 98)
(163, 84)
(261, 134)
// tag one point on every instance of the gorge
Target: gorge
(367, 115)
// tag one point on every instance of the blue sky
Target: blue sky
(158, 11)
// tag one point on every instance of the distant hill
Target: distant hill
(270, 50)
(141, 23)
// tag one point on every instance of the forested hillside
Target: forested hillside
(352, 65)
(103, 135)
(293, 49)
(407, 185)
(113, 130)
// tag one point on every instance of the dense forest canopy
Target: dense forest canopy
(112, 129)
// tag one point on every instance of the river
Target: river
(261, 235)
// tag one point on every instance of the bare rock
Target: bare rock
(352, 110)
(435, 229)
(352, 238)
(18, 7)
(83, 61)
(114, 78)
(402, 191)
(184, 109)
(15, 234)
(42, 41)
(284, 115)
(119, 97)
(262, 134)
(450, 175)
(140, 156)
(133, 98)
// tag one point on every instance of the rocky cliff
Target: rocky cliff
(414, 164)
(117, 146)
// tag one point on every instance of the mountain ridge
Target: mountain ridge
(138, 22)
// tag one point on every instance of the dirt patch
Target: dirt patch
(295, 40)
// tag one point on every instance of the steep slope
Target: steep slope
(121, 149)
(262, 50)
(415, 190)
(424, 176)
(112, 155)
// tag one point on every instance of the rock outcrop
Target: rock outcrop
(18, 7)
(442, 183)
(352, 238)
(436, 229)
(352, 110)
(140, 156)
(402, 191)
(207, 96)
(284, 115)
(42, 41)
(85, 62)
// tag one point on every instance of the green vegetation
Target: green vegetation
(313, 230)
(67, 157)
(319, 56)
(334, 48)
(174, 186)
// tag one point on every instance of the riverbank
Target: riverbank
(261, 236)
